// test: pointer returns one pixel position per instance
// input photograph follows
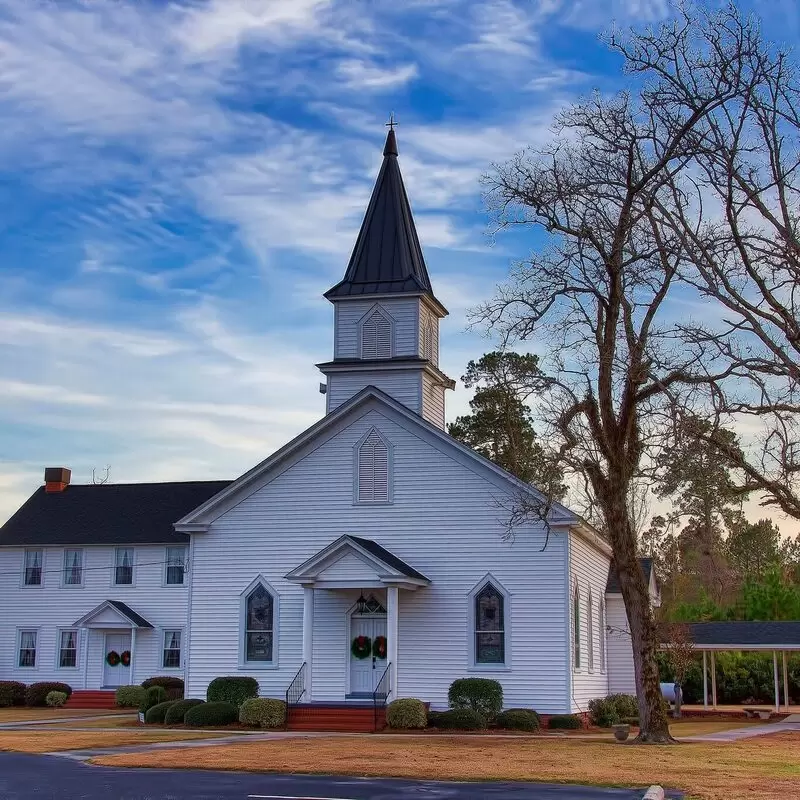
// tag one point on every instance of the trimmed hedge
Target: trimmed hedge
(156, 715)
(263, 712)
(461, 719)
(483, 695)
(12, 693)
(36, 693)
(56, 699)
(518, 719)
(152, 697)
(211, 715)
(129, 696)
(406, 713)
(565, 722)
(167, 681)
(433, 718)
(233, 689)
(607, 711)
(177, 711)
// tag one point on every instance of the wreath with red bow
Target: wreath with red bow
(361, 647)
(112, 658)
(379, 647)
(125, 658)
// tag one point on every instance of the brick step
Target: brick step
(91, 698)
(359, 719)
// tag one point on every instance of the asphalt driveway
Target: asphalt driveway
(34, 777)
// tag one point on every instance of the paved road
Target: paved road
(29, 777)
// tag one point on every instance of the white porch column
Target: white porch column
(705, 680)
(131, 681)
(392, 607)
(308, 636)
(785, 681)
(775, 675)
(86, 633)
(714, 680)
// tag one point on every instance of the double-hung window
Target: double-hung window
(68, 649)
(259, 625)
(172, 649)
(490, 632)
(27, 649)
(73, 568)
(33, 567)
(123, 566)
(176, 566)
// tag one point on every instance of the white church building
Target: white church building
(366, 555)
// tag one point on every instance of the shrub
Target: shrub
(480, 694)
(565, 722)
(461, 719)
(167, 681)
(56, 699)
(211, 715)
(175, 694)
(156, 714)
(36, 693)
(12, 693)
(152, 697)
(263, 712)
(129, 696)
(607, 711)
(433, 718)
(177, 711)
(406, 713)
(518, 719)
(233, 689)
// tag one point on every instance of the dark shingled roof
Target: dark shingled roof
(128, 612)
(388, 558)
(110, 513)
(612, 587)
(744, 633)
(387, 258)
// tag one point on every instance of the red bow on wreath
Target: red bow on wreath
(379, 647)
(361, 647)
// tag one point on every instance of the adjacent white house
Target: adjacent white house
(369, 553)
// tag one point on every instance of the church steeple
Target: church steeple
(386, 330)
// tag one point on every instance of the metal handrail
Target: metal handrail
(297, 687)
(382, 690)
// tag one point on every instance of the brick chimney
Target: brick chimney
(56, 479)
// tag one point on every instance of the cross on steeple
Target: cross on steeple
(391, 123)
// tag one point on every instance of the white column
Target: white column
(705, 680)
(133, 651)
(308, 636)
(86, 632)
(785, 681)
(775, 675)
(392, 608)
(714, 680)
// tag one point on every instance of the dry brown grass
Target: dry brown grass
(15, 714)
(39, 741)
(766, 768)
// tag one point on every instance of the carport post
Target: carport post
(785, 681)
(775, 675)
(705, 680)
(714, 679)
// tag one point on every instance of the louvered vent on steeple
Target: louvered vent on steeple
(376, 336)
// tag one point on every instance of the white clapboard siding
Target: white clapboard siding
(621, 678)
(351, 314)
(51, 607)
(589, 567)
(429, 335)
(444, 520)
(433, 401)
(402, 385)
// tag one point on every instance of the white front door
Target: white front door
(366, 672)
(118, 675)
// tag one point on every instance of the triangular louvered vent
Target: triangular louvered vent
(376, 337)
(373, 469)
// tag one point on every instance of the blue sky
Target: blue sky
(182, 181)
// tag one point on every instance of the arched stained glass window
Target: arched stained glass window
(490, 634)
(259, 625)
(576, 630)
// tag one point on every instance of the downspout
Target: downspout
(568, 620)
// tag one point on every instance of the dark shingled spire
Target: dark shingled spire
(387, 258)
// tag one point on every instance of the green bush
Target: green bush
(56, 699)
(152, 697)
(156, 715)
(129, 696)
(433, 717)
(461, 719)
(406, 713)
(177, 711)
(36, 693)
(518, 719)
(233, 689)
(480, 694)
(12, 693)
(167, 681)
(212, 714)
(607, 711)
(565, 722)
(263, 712)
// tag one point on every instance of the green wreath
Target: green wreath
(112, 658)
(361, 647)
(379, 647)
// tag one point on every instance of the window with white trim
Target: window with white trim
(33, 568)
(175, 568)
(67, 649)
(372, 469)
(27, 648)
(576, 629)
(376, 336)
(590, 624)
(172, 649)
(259, 616)
(602, 625)
(123, 566)
(490, 629)
(73, 568)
